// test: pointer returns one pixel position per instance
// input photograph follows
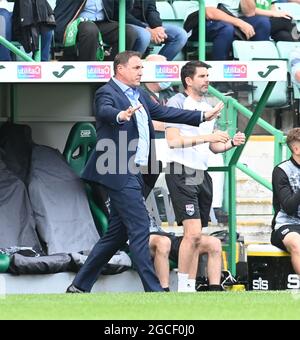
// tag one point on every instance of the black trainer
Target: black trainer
(74, 290)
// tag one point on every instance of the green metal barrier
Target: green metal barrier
(202, 29)
(232, 108)
(14, 49)
(122, 24)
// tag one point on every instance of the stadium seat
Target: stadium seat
(81, 141)
(285, 48)
(165, 10)
(256, 50)
(184, 8)
(289, 7)
(292, 8)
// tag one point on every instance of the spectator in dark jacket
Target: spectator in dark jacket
(32, 19)
(146, 21)
(100, 15)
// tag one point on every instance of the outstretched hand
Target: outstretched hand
(126, 115)
(215, 112)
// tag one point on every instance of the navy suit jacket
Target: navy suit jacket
(117, 143)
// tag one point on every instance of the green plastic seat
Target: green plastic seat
(81, 141)
(285, 48)
(262, 50)
(183, 9)
(165, 10)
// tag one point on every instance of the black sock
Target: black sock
(215, 288)
(167, 289)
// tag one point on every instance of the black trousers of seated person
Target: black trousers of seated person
(88, 38)
(281, 29)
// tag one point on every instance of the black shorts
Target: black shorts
(191, 194)
(278, 235)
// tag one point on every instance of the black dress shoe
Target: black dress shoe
(74, 290)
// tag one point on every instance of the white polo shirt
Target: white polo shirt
(195, 157)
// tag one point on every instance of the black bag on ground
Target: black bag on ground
(52, 264)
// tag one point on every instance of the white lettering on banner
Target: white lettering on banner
(260, 284)
(293, 281)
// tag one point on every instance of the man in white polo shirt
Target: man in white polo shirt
(189, 183)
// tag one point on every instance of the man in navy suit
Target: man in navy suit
(124, 149)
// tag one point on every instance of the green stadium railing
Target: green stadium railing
(233, 107)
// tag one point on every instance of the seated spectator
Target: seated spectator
(97, 15)
(282, 27)
(286, 202)
(5, 30)
(146, 21)
(294, 61)
(220, 26)
(165, 246)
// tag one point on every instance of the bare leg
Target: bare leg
(212, 247)
(189, 245)
(160, 249)
(187, 253)
(292, 243)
